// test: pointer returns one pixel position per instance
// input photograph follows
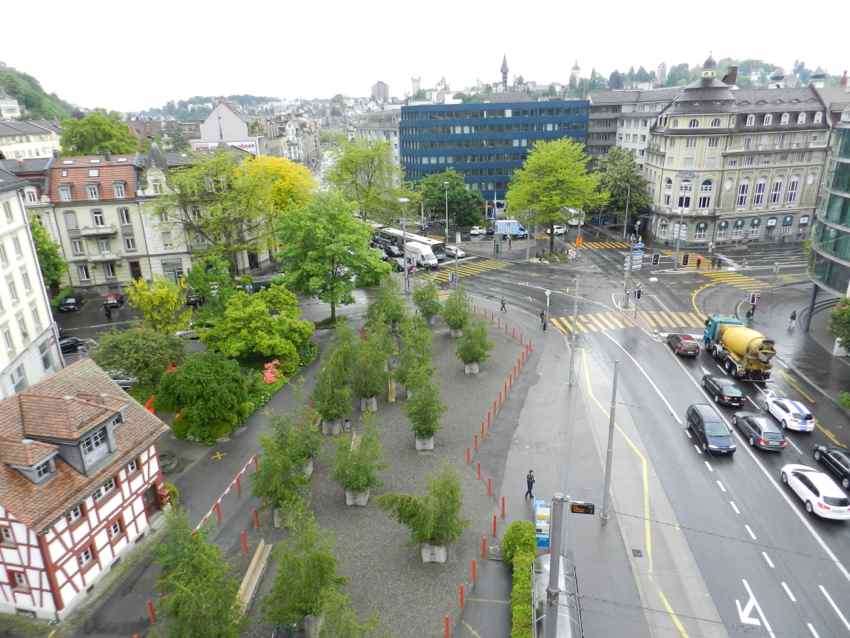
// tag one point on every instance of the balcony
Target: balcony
(99, 231)
(103, 257)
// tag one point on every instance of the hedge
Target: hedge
(520, 537)
(521, 596)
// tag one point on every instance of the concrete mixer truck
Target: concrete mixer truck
(743, 352)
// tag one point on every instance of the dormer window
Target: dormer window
(120, 189)
(801, 118)
(818, 117)
(108, 487)
(43, 470)
(768, 119)
(74, 514)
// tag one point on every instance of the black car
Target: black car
(836, 460)
(760, 431)
(393, 251)
(69, 345)
(71, 304)
(684, 345)
(724, 391)
(491, 231)
(710, 431)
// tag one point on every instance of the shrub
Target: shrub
(358, 459)
(519, 538)
(388, 307)
(427, 300)
(341, 620)
(332, 393)
(521, 596)
(370, 356)
(280, 480)
(61, 296)
(425, 407)
(475, 345)
(140, 352)
(415, 349)
(844, 399)
(456, 309)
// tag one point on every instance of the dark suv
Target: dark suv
(709, 429)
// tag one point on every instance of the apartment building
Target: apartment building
(21, 140)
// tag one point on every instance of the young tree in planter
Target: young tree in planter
(280, 481)
(474, 346)
(298, 435)
(340, 620)
(434, 519)
(427, 300)
(369, 375)
(343, 345)
(306, 572)
(388, 306)
(424, 408)
(415, 349)
(357, 462)
(456, 311)
(332, 393)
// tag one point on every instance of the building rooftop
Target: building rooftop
(769, 100)
(10, 181)
(13, 128)
(25, 165)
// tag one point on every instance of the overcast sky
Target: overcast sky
(131, 56)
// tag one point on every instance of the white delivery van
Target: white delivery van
(421, 255)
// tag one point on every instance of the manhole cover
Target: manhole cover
(637, 553)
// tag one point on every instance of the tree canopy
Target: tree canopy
(365, 173)
(210, 278)
(141, 352)
(162, 304)
(839, 321)
(325, 248)
(52, 266)
(35, 102)
(621, 178)
(97, 133)
(466, 207)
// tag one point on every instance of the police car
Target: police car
(793, 415)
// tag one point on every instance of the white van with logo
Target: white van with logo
(421, 255)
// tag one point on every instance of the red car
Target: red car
(684, 345)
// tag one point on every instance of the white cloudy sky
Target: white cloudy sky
(129, 56)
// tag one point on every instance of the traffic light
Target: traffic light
(637, 293)
(754, 298)
(685, 259)
(656, 259)
(582, 507)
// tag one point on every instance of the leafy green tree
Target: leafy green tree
(340, 620)
(35, 102)
(140, 352)
(208, 392)
(456, 309)
(97, 133)
(621, 178)
(198, 594)
(325, 247)
(415, 351)
(161, 303)
(425, 408)
(615, 80)
(306, 573)
(388, 307)
(426, 298)
(641, 75)
(466, 207)
(370, 358)
(358, 459)
(343, 346)
(365, 173)
(332, 392)
(434, 518)
(262, 325)
(839, 321)
(210, 278)
(553, 183)
(475, 345)
(280, 481)
(52, 266)
(678, 74)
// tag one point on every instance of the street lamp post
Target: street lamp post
(446, 186)
(678, 235)
(403, 220)
(628, 197)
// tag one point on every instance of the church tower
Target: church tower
(504, 72)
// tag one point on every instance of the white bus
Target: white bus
(387, 235)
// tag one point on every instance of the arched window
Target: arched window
(755, 227)
(685, 189)
(768, 119)
(787, 222)
(715, 123)
(722, 229)
(693, 124)
(751, 120)
(785, 119)
(818, 117)
(801, 118)
(743, 193)
(705, 190)
(776, 192)
(758, 193)
(793, 188)
(738, 229)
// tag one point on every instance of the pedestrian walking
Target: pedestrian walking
(543, 320)
(108, 313)
(504, 308)
(792, 320)
(699, 261)
(529, 482)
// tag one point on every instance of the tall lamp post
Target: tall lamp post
(628, 197)
(403, 220)
(678, 235)
(446, 187)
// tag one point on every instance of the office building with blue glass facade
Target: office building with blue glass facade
(484, 142)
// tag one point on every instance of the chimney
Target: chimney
(108, 156)
(731, 76)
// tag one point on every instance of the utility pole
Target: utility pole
(403, 220)
(628, 197)
(573, 336)
(446, 186)
(553, 591)
(678, 235)
(609, 454)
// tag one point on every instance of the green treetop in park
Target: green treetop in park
(53, 267)
(620, 177)
(553, 183)
(466, 207)
(162, 304)
(97, 133)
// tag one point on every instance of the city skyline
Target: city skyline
(175, 56)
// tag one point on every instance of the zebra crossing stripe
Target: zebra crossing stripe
(605, 321)
(696, 322)
(648, 318)
(563, 327)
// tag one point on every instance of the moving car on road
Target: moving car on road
(477, 230)
(760, 431)
(558, 229)
(71, 304)
(683, 345)
(69, 345)
(724, 391)
(453, 252)
(792, 415)
(393, 251)
(818, 491)
(836, 460)
(711, 432)
(113, 300)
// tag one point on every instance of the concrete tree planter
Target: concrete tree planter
(433, 553)
(470, 368)
(313, 626)
(308, 468)
(331, 428)
(424, 444)
(370, 404)
(456, 333)
(357, 499)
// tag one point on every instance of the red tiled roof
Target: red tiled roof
(25, 452)
(120, 168)
(95, 395)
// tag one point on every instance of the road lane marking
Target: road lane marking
(672, 614)
(834, 606)
(794, 445)
(797, 387)
(470, 629)
(745, 612)
(754, 403)
(750, 532)
(708, 465)
(687, 433)
(768, 561)
(812, 629)
(735, 507)
(720, 368)
(722, 488)
(788, 591)
(704, 369)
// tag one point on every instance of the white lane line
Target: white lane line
(793, 445)
(754, 403)
(688, 433)
(768, 561)
(708, 465)
(750, 532)
(834, 607)
(812, 630)
(735, 507)
(722, 488)
(696, 447)
(719, 368)
(757, 387)
(703, 368)
(790, 594)
(758, 609)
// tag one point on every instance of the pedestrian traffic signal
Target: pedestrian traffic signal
(685, 259)
(754, 298)
(582, 507)
(637, 293)
(656, 259)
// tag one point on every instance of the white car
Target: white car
(793, 415)
(453, 252)
(477, 230)
(559, 229)
(818, 491)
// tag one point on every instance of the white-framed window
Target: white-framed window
(804, 221)
(801, 118)
(793, 188)
(8, 340)
(83, 272)
(120, 190)
(92, 191)
(43, 469)
(743, 193)
(104, 246)
(7, 537)
(163, 215)
(97, 218)
(94, 441)
(699, 231)
(748, 161)
(130, 244)
(157, 186)
(675, 123)
(776, 192)
(685, 189)
(715, 123)
(132, 466)
(124, 216)
(713, 142)
(693, 123)
(691, 142)
(22, 326)
(104, 489)
(36, 317)
(166, 239)
(748, 142)
(46, 356)
(25, 277)
(19, 378)
(93, 172)
(786, 117)
(738, 228)
(705, 191)
(722, 230)
(77, 247)
(818, 117)
(768, 119)
(109, 269)
(755, 227)
(13, 289)
(115, 530)
(74, 514)
(32, 196)
(86, 556)
(16, 244)
(663, 227)
(758, 193)
(4, 256)
(71, 220)
(751, 120)
(18, 580)
(65, 192)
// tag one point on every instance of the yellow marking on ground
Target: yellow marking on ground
(563, 327)
(673, 616)
(664, 317)
(797, 387)
(470, 629)
(828, 434)
(217, 456)
(605, 245)
(465, 269)
(588, 323)
(696, 320)
(597, 321)
(694, 297)
(648, 318)
(610, 320)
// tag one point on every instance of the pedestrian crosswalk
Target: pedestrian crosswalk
(465, 269)
(736, 279)
(605, 245)
(604, 321)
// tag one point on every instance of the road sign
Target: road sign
(582, 507)
(656, 259)
(637, 292)
(685, 259)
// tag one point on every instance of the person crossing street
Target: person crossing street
(529, 482)
(503, 308)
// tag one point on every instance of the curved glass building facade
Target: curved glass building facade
(829, 262)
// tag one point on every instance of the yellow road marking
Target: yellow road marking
(564, 328)
(828, 434)
(613, 319)
(217, 456)
(695, 319)
(648, 318)
(797, 387)
(694, 296)
(673, 616)
(470, 629)
(600, 319)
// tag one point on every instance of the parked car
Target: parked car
(836, 460)
(397, 263)
(113, 300)
(711, 433)
(72, 303)
(491, 231)
(760, 431)
(69, 345)
(818, 491)
(194, 299)
(559, 229)
(453, 252)
(792, 415)
(724, 391)
(684, 345)
(477, 230)
(393, 251)
(125, 381)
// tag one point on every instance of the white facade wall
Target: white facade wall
(29, 145)
(9, 108)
